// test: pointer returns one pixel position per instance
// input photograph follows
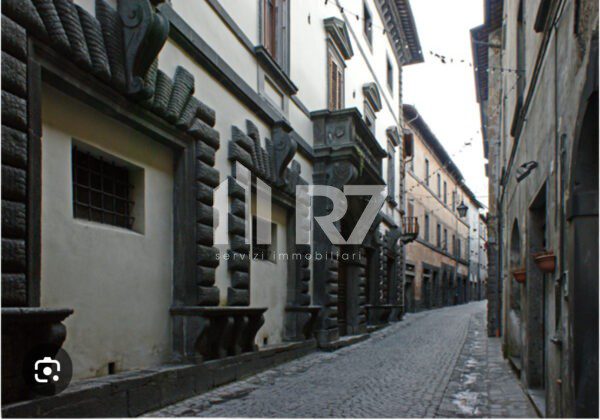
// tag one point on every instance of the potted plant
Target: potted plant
(520, 274)
(545, 260)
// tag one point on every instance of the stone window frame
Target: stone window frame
(335, 93)
(45, 66)
(281, 54)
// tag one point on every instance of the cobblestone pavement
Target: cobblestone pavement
(437, 363)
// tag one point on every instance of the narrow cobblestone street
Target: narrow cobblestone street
(437, 363)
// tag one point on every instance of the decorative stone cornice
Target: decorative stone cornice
(338, 33)
(393, 134)
(372, 95)
(343, 135)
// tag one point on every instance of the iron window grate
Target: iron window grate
(101, 190)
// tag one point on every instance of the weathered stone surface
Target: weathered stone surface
(14, 290)
(238, 262)
(14, 219)
(207, 256)
(14, 184)
(14, 148)
(204, 234)
(238, 154)
(202, 131)
(190, 111)
(70, 21)
(94, 40)
(208, 296)
(14, 39)
(235, 189)
(204, 194)
(205, 153)
(237, 225)
(238, 297)
(204, 213)
(25, 14)
(183, 88)
(56, 33)
(112, 31)
(238, 244)
(14, 75)
(13, 256)
(240, 280)
(14, 111)
(207, 174)
(162, 93)
(240, 138)
(238, 207)
(206, 114)
(205, 276)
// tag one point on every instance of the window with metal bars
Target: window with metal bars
(101, 190)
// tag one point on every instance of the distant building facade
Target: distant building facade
(441, 267)
(536, 72)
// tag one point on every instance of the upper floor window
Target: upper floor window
(445, 239)
(439, 185)
(368, 23)
(391, 170)
(426, 230)
(439, 236)
(426, 171)
(520, 54)
(390, 74)
(335, 81)
(445, 191)
(453, 200)
(275, 30)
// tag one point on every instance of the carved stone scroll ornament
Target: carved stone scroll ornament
(144, 33)
(284, 148)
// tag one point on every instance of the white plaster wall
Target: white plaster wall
(268, 284)
(117, 281)
(204, 21)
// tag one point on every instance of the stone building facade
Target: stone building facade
(442, 261)
(536, 72)
(140, 143)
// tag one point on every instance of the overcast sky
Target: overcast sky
(444, 94)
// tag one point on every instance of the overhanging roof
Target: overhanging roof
(415, 121)
(400, 25)
(479, 49)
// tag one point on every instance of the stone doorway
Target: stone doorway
(583, 249)
(537, 296)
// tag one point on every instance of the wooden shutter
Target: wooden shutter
(340, 87)
(271, 11)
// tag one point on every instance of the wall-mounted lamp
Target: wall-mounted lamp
(525, 169)
(462, 209)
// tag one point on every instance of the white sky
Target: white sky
(444, 94)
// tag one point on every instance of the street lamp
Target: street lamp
(462, 209)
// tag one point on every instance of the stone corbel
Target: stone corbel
(284, 148)
(144, 34)
(392, 237)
